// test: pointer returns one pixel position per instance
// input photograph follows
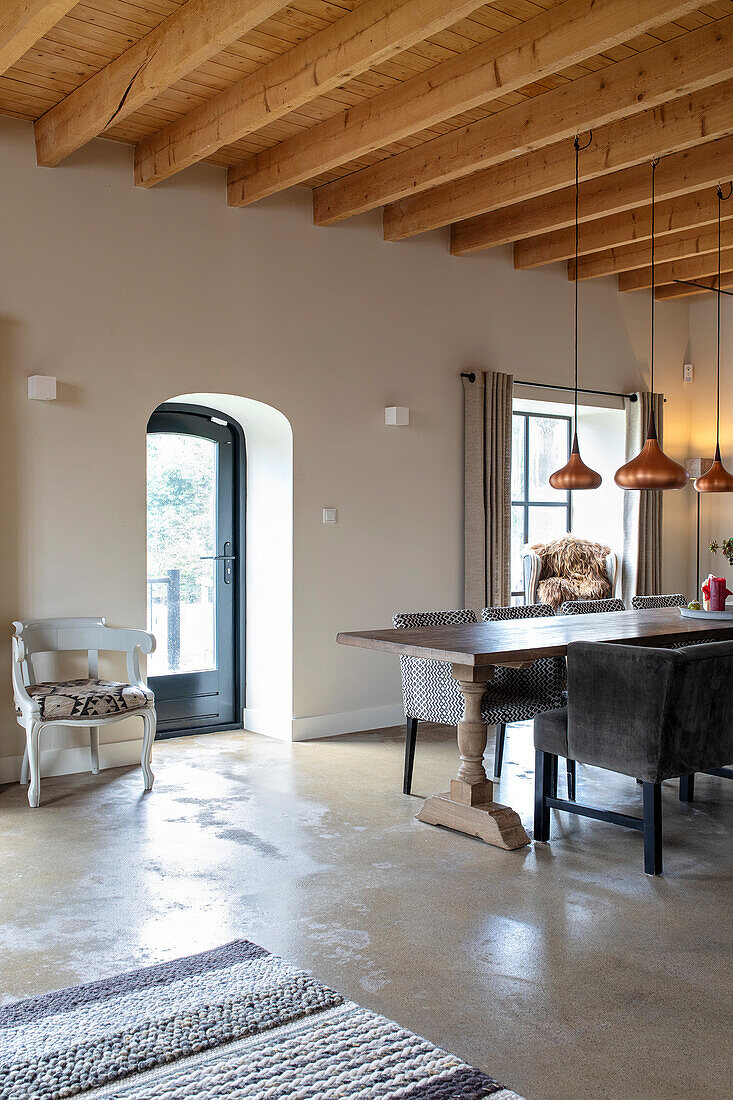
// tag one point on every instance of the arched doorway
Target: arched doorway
(264, 620)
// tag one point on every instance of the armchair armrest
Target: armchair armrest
(612, 572)
(617, 695)
(531, 566)
(137, 642)
(19, 675)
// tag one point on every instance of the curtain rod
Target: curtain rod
(471, 376)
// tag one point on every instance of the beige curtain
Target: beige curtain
(641, 568)
(487, 488)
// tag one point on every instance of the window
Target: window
(540, 445)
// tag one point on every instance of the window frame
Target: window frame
(525, 503)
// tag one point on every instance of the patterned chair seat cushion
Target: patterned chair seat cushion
(70, 699)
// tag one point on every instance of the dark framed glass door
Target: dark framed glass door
(194, 569)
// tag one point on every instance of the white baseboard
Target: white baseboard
(268, 723)
(352, 721)
(68, 761)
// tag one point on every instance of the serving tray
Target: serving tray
(690, 613)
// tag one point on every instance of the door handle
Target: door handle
(226, 558)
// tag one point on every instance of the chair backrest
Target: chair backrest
(418, 619)
(527, 611)
(76, 635)
(651, 713)
(643, 603)
(591, 607)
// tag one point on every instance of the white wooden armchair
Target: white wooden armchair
(82, 702)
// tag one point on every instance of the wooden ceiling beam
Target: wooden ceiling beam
(667, 249)
(674, 126)
(24, 22)
(564, 35)
(685, 290)
(673, 69)
(678, 174)
(686, 212)
(183, 41)
(695, 267)
(367, 36)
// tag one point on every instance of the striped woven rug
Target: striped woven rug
(236, 1022)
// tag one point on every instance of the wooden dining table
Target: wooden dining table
(474, 650)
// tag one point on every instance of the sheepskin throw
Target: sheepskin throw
(572, 569)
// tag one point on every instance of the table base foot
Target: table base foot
(489, 821)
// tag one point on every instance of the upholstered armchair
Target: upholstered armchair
(649, 713)
(568, 569)
(87, 702)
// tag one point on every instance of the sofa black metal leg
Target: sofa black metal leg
(410, 742)
(499, 748)
(545, 767)
(687, 787)
(553, 778)
(652, 828)
(571, 779)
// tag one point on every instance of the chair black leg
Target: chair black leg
(499, 748)
(687, 787)
(652, 793)
(553, 777)
(545, 767)
(571, 779)
(410, 742)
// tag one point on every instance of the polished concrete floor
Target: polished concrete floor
(561, 970)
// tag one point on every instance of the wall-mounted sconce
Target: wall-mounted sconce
(41, 387)
(396, 416)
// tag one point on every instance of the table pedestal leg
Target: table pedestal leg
(469, 806)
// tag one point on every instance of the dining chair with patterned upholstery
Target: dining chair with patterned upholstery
(646, 603)
(591, 607)
(533, 687)
(430, 693)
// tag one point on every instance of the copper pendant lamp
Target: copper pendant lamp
(652, 468)
(575, 474)
(717, 479)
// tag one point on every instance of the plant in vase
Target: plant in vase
(726, 546)
(715, 590)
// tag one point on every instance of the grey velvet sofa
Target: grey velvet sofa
(652, 714)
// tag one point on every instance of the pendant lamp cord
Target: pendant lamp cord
(577, 145)
(655, 162)
(721, 200)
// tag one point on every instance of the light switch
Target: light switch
(329, 515)
(688, 372)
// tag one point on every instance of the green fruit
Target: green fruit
(694, 605)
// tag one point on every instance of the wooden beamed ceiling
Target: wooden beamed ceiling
(441, 112)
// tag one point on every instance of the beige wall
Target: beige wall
(131, 297)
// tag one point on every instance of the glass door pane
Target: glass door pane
(195, 470)
(182, 495)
